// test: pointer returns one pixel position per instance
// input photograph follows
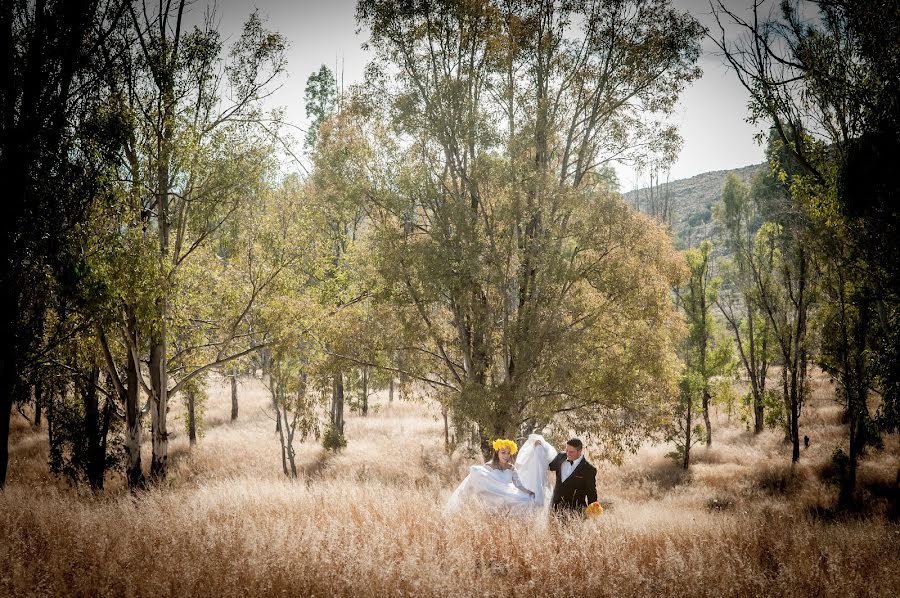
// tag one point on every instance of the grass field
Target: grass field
(368, 521)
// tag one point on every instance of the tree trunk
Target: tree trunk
(290, 446)
(38, 402)
(365, 391)
(786, 395)
(192, 419)
(94, 465)
(133, 469)
(104, 443)
(6, 403)
(753, 370)
(403, 377)
(337, 402)
(687, 437)
(795, 417)
(758, 415)
(855, 386)
(706, 421)
(446, 428)
(391, 390)
(159, 372)
(276, 404)
(234, 393)
(159, 403)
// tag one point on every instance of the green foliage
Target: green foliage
(320, 98)
(723, 393)
(526, 290)
(682, 431)
(822, 82)
(333, 440)
(195, 391)
(773, 405)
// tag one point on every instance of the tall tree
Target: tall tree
(194, 162)
(320, 97)
(829, 86)
(740, 220)
(706, 353)
(48, 161)
(495, 222)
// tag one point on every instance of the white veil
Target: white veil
(531, 464)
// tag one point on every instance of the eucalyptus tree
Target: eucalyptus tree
(340, 153)
(740, 219)
(55, 132)
(706, 353)
(195, 161)
(823, 75)
(288, 241)
(534, 282)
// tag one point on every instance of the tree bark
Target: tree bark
(6, 401)
(337, 402)
(687, 437)
(234, 392)
(192, 420)
(444, 410)
(290, 446)
(365, 391)
(706, 420)
(38, 402)
(159, 404)
(279, 428)
(133, 468)
(93, 464)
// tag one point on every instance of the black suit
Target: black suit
(578, 490)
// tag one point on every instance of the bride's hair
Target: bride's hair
(495, 461)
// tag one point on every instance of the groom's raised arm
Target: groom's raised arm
(554, 465)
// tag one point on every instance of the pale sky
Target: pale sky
(710, 116)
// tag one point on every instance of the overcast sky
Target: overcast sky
(710, 115)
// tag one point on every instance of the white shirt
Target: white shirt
(566, 469)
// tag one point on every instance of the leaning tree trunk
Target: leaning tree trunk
(275, 389)
(292, 463)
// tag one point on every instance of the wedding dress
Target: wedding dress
(504, 490)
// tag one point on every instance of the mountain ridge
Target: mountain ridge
(691, 200)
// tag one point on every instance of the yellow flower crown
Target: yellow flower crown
(501, 443)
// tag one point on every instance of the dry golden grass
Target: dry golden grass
(368, 521)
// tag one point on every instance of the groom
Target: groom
(576, 479)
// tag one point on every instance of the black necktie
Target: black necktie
(570, 462)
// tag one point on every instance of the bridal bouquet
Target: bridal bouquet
(593, 510)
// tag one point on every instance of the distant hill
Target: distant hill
(692, 200)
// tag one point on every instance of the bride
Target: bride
(502, 486)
